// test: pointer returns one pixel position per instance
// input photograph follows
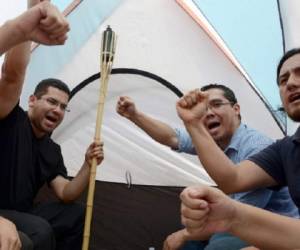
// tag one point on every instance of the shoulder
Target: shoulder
(17, 114)
(49, 147)
(255, 137)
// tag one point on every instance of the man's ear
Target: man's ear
(237, 108)
(31, 100)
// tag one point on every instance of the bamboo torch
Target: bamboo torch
(108, 46)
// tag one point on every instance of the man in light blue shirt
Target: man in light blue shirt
(223, 122)
(244, 143)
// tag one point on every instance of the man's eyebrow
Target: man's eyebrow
(216, 100)
(284, 74)
(287, 72)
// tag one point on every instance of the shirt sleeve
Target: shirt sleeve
(51, 162)
(258, 198)
(185, 143)
(270, 161)
(252, 144)
(256, 143)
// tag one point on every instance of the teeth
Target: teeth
(294, 98)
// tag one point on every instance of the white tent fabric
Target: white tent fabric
(290, 15)
(162, 38)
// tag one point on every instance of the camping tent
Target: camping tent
(164, 49)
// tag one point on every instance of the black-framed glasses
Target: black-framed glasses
(217, 105)
(55, 103)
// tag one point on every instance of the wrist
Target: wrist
(87, 164)
(195, 125)
(235, 222)
(16, 32)
(135, 117)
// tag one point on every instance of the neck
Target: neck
(224, 142)
(37, 132)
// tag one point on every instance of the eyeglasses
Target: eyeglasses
(55, 103)
(215, 106)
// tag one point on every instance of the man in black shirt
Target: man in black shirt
(29, 158)
(207, 209)
(43, 24)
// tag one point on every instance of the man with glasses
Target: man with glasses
(222, 120)
(208, 209)
(29, 158)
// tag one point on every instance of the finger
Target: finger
(182, 102)
(97, 155)
(194, 97)
(126, 103)
(52, 27)
(199, 191)
(193, 224)
(45, 39)
(51, 15)
(49, 21)
(189, 100)
(120, 110)
(194, 214)
(202, 96)
(193, 202)
(61, 39)
(96, 150)
(58, 33)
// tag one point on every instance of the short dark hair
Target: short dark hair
(42, 87)
(286, 56)
(228, 93)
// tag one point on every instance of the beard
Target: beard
(295, 116)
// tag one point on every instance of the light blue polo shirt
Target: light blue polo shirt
(244, 143)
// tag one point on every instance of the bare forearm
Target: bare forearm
(264, 229)
(156, 129)
(15, 64)
(10, 35)
(221, 169)
(12, 77)
(78, 184)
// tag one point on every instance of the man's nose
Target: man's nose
(293, 81)
(209, 111)
(58, 109)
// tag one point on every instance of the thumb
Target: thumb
(202, 96)
(209, 194)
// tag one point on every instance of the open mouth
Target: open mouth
(51, 119)
(213, 125)
(294, 97)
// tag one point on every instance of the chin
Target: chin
(216, 137)
(295, 116)
(48, 130)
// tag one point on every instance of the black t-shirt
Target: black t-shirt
(281, 160)
(26, 162)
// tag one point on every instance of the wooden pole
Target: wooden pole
(108, 46)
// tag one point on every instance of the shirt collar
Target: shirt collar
(235, 139)
(296, 137)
